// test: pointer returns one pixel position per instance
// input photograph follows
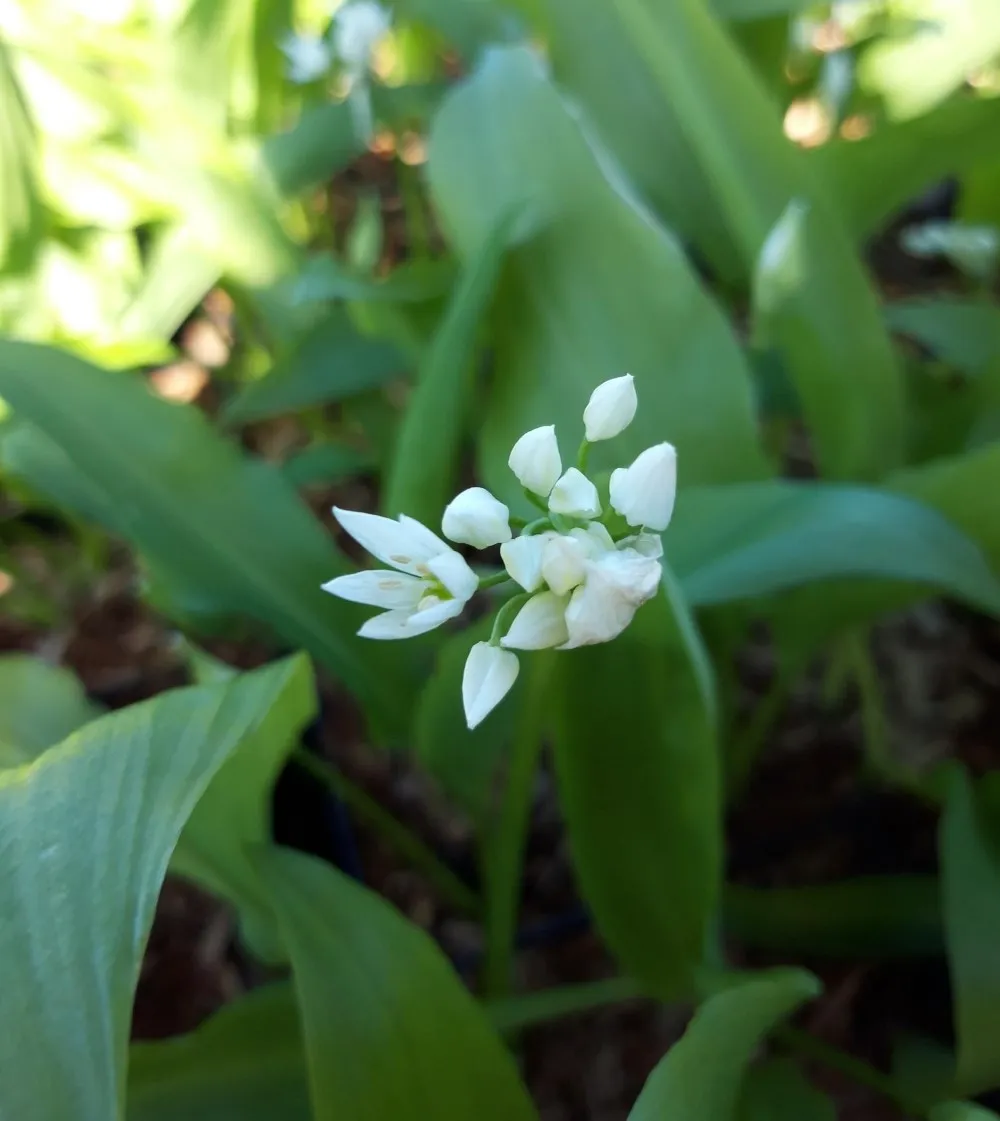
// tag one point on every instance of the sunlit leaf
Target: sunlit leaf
(22, 217)
(389, 1029)
(85, 835)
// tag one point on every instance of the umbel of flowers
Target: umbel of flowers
(580, 583)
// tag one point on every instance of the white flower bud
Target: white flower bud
(489, 675)
(575, 495)
(522, 558)
(476, 518)
(539, 625)
(644, 493)
(563, 563)
(610, 409)
(535, 460)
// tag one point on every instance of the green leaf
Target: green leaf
(329, 362)
(389, 1029)
(322, 142)
(86, 832)
(593, 285)
(636, 764)
(243, 1064)
(777, 1089)
(215, 521)
(873, 177)
(825, 318)
(234, 813)
(700, 1077)
(464, 763)
(22, 217)
(323, 463)
(913, 73)
(923, 1069)
(325, 278)
(960, 1111)
(970, 887)
(960, 332)
(40, 705)
(425, 466)
(754, 539)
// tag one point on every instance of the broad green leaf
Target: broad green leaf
(320, 144)
(389, 1029)
(244, 1064)
(234, 813)
(960, 1111)
(22, 217)
(913, 72)
(960, 332)
(464, 763)
(872, 177)
(329, 362)
(324, 278)
(754, 539)
(745, 10)
(635, 755)
(40, 705)
(220, 524)
(323, 463)
(701, 1076)
(824, 315)
(777, 1090)
(874, 917)
(923, 1069)
(85, 835)
(593, 285)
(426, 460)
(970, 888)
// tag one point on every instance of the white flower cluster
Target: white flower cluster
(357, 27)
(580, 584)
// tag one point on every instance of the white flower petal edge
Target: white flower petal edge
(476, 518)
(535, 460)
(307, 56)
(522, 558)
(610, 409)
(405, 544)
(378, 588)
(644, 493)
(539, 625)
(488, 677)
(357, 27)
(575, 495)
(410, 624)
(617, 585)
(563, 560)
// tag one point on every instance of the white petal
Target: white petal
(308, 57)
(489, 674)
(357, 27)
(574, 494)
(610, 409)
(433, 615)
(563, 563)
(453, 571)
(378, 589)
(409, 624)
(406, 544)
(595, 539)
(617, 584)
(522, 558)
(476, 518)
(535, 460)
(645, 544)
(644, 493)
(539, 625)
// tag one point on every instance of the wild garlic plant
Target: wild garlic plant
(582, 574)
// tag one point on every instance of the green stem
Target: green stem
(536, 500)
(493, 581)
(504, 846)
(458, 894)
(537, 526)
(581, 456)
(854, 1068)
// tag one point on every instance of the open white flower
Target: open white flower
(575, 495)
(357, 27)
(616, 584)
(488, 677)
(307, 57)
(432, 583)
(535, 460)
(476, 518)
(610, 409)
(644, 492)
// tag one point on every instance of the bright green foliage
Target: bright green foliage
(39, 706)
